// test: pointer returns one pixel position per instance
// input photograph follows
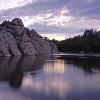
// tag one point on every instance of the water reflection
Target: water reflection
(13, 69)
(49, 78)
(49, 81)
(55, 66)
(88, 64)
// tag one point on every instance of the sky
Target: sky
(58, 19)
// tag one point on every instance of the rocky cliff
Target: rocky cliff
(15, 40)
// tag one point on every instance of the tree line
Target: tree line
(88, 42)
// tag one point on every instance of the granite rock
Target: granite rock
(16, 40)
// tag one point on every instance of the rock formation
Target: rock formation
(15, 40)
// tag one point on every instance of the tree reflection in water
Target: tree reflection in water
(88, 64)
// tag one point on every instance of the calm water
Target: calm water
(49, 78)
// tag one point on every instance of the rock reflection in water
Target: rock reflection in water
(13, 69)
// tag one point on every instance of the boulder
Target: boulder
(8, 44)
(17, 22)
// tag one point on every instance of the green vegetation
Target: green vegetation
(88, 42)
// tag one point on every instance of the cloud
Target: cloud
(59, 19)
(67, 17)
(13, 4)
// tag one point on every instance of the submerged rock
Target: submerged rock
(15, 40)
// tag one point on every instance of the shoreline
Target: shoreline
(78, 54)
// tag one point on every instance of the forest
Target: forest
(87, 43)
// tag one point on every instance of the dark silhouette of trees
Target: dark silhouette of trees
(88, 42)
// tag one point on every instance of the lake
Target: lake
(58, 77)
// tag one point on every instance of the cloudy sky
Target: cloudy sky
(57, 19)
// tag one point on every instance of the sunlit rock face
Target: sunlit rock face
(15, 39)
